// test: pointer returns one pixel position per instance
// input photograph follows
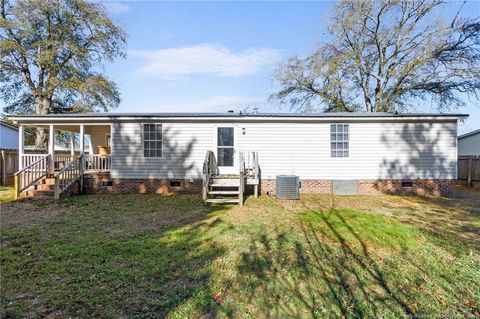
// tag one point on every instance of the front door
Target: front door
(225, 149)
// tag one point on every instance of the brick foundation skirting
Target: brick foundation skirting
(434, 187)
(73, 189)
(308, 186)
(102, 183)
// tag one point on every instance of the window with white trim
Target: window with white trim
(152, 140)
(339, 140)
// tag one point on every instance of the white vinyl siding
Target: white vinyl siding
(377, 150)
(469, 145)
(184, 147)
(8, 137)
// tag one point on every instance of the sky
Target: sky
(218, 56)
(209, 56)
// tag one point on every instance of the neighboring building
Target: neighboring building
(8, 136)
(368, 153)
(469, 143)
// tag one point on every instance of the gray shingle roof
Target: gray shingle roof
(240, 114)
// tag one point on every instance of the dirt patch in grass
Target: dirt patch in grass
(28, 213)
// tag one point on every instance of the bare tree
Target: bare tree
(51, 54)
(382, 56)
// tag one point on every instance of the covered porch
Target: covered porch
(73, 150)
(90, 141)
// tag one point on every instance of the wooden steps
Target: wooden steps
(41, 194)
(223, 200)
(224, 185)
(223, 193)
(43, 189)
(229, 188)
(224, 189)
(36, 180)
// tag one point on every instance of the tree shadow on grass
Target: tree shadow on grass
(442, 217)
(77, 266)
(322, 272)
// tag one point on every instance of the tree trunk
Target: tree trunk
(41, 138)
(42, 106)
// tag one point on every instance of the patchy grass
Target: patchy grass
(360, 228)
(7, 194)
(155, 256)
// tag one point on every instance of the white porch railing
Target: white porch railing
(62, 160)
(93, 162)
(98, 162)
(27, 159)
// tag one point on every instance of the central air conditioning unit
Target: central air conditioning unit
(287, 187)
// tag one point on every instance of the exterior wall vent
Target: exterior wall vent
(407, 184)
(344, 187)
(287, 186)
(108, 183)
(175, 183)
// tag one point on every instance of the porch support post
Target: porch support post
(82, 138)
(72, 145)
(21, 146)
(82, 155)
(51, 149)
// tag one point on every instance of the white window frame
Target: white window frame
(155, 140)
(226, 169)
(339, 136)
(107, 136)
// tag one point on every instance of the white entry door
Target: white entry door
(225, 140)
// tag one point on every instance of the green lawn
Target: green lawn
(7, 193)
(153, 256)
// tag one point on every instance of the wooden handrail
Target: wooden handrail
(210, 168)
(68, 175)
(30, 174)
(68, 166)
(210, 164)
(256, 170)
(251, 169)
(241, 187)
(30, 165)
(251, 164)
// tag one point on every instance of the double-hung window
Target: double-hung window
(339, 140)
(152, 140)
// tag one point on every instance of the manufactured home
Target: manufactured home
(224, 155)
(469, 143)
(8, 136)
